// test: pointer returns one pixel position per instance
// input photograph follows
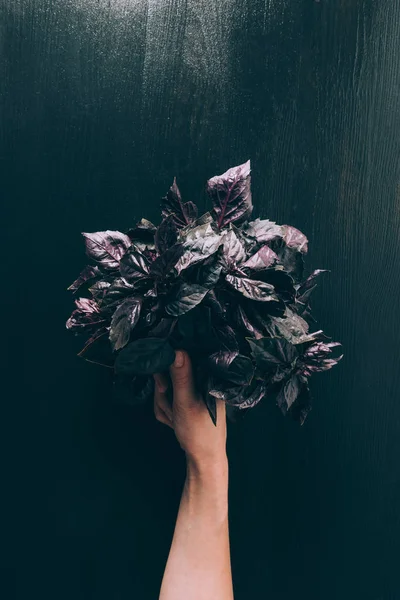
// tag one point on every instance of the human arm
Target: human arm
(198, 566)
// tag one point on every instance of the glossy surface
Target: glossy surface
(101, 104)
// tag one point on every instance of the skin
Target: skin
(198, 566)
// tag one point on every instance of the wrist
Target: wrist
(207, 471)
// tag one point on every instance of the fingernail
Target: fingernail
(179, 359)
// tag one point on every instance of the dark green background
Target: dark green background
(102, 103)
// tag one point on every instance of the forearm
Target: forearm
(198, 565)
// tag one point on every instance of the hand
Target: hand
(203, 442)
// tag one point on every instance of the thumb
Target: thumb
(182, 379)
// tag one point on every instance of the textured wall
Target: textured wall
(101, 103)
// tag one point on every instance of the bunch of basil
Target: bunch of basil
(229, 290)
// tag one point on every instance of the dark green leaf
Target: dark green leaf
(164, 328)
(145, 357)
(197, 334)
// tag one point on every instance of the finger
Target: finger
(161, 405)
(182, 379)
(161, 381)
(161, 418)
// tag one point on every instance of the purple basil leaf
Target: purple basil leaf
(107, 247)
(145, 357)
(172, 206)
(214, 304)
(261, 260)
(270, 353)
(209, 272)
(300, 409)
(186, 297)
(246, 324)
(238, 369)
(142, 235)
(234, 251)
(228, 349)
(86, 315)
(199, 243)
(196, 332)
(295, 239)
(88, 273)
(309, 283)
(231, 395)
(99, 333)
(227, 338)
(151, 293)
(166, 235)
(203, 220)
(167, 261)
(144, 230)
(134, 265)
(288, 393)
(99, 288)
(252, 289)
(115, 293)
(305, 289)
(291, 259)
(263, 230)
(282, 282)
(253, 395)
(164, 328)
(218, 363)
(231, 195)
(132, 390)
(97, 349)
(291, 326)
(211, 405)
(317, 358)
(123, 321)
